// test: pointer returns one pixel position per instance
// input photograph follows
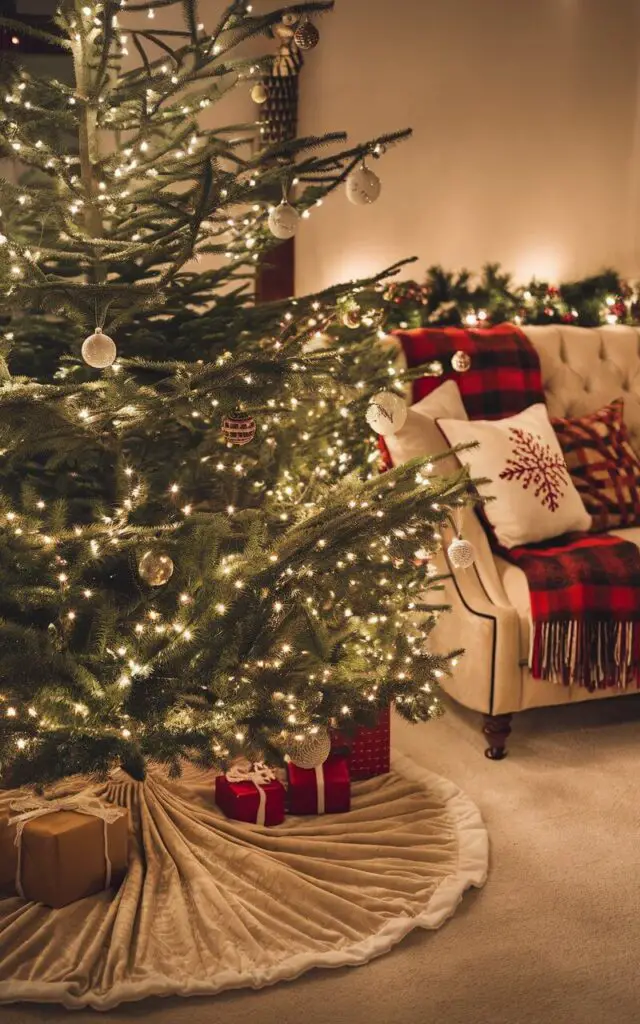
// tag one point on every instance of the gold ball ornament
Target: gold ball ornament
(239, 430)
(462, 553)
(155, 568)
(461, 361)
(386, 413)
(362, 186)
(259, 93)
(352, 317)
(99, 350)
(306, 36)
(283, 221)
(312, 751)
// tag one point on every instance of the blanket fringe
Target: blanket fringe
(597, 654)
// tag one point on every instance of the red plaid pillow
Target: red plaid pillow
(603, 466)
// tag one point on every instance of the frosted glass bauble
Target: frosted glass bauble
(283, 221)
(99, 350)
(363, 186)
(386, 413)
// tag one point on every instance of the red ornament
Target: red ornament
(239, 429)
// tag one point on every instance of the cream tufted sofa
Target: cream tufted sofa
(582, 370)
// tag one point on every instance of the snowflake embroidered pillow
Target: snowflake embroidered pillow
(534, 497)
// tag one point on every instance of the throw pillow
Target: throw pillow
(603, 465)
(535, 498)
(419, 435)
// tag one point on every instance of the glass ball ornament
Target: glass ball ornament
(259, 93)
(239, 429)
(461, 361)
(312, 751)
(155, 568)
(352, 317)
(283, 220)
(386, 413)
(462, 553)
(362, 186)
(306, 36)
(99, 350)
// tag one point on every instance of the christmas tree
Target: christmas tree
(198, 560)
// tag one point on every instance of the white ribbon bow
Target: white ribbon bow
(319, 770)
(29, 808)
(259, 774)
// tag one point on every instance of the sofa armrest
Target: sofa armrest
(488, 678)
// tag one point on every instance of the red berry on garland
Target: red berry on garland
(239, 429)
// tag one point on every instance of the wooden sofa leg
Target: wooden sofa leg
(497, 729)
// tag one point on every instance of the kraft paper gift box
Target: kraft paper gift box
(63, 855)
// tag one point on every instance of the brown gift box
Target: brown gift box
(63, 856)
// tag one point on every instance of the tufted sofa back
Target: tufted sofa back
(584, 368)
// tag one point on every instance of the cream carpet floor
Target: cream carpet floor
(553, 937)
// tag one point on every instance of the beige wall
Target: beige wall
(526, 143)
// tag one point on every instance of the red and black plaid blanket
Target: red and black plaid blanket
(584, 588)
(585, 609)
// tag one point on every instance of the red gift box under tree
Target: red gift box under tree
(368, 749)
(322, 790)
(251, 794)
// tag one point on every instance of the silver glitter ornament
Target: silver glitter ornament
(462, 553)
(312, 751)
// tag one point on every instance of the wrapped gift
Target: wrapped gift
(325, 789)
(368, 749)
(251, 793)
(58, 851)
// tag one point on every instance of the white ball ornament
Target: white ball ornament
(155, 568)
(283, 221)
(461, 361)
(386, 413)
(99, 350)
(312, 751)
(259, 93)
(362, 186)
(462, 553)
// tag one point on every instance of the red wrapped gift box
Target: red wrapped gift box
(242, 800)
(322, 790)
(369, 750)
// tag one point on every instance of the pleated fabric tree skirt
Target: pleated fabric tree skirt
(210, 904)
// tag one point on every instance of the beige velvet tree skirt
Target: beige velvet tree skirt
(210, 904)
